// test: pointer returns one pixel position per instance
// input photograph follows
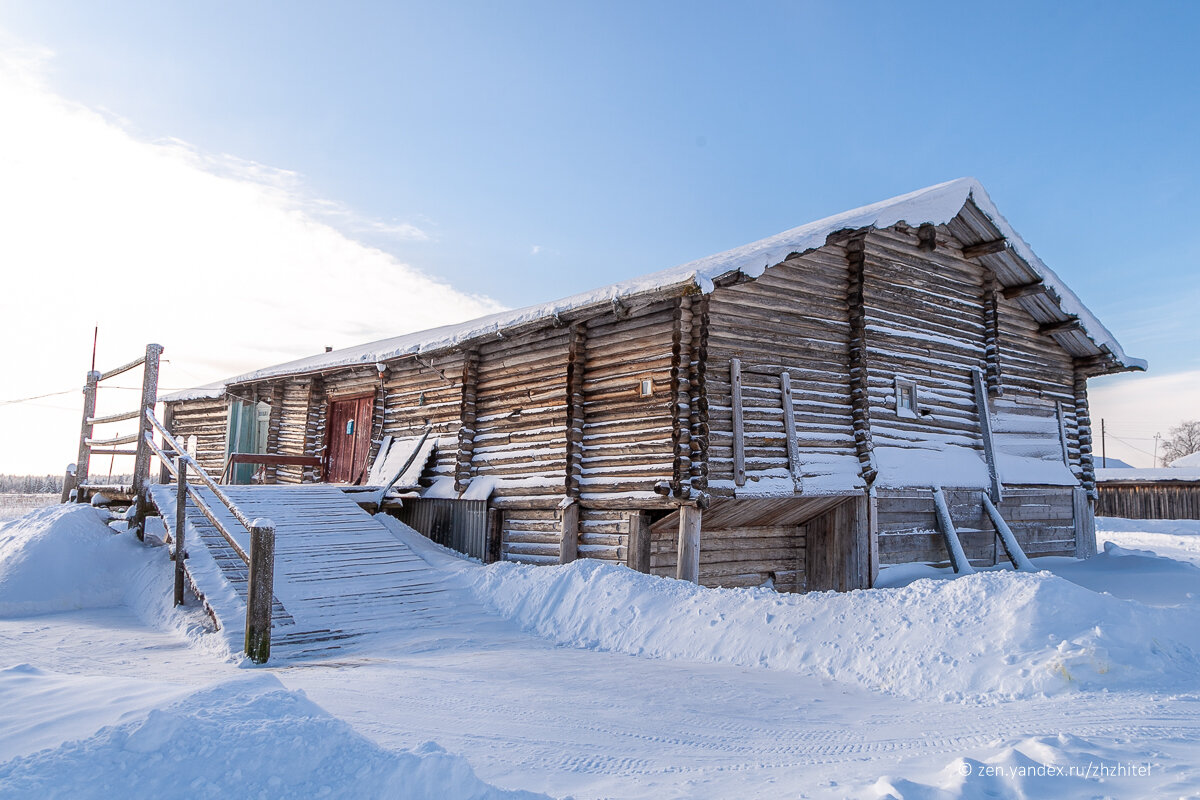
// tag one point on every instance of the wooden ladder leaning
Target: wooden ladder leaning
(958, 558)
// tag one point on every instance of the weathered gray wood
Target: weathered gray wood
(260, 590)
(1011, 546)
(568, 530)
(985, 428)
(789, 430)
(180, 525)
(164, 472)
(1062, 326)
(1062, 432)
(83, 460)
(860, 386)
(1085, 524)
(872, 538)
(687, 567)
(639, 542)
(141, 461)
(495, 527)
(69, 483)
(958, 559)
(112, 373)
(739, 425)
(985, 248)
(1023, 290)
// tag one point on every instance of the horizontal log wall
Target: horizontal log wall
(1148, 500)
(1037, 367)
(520, 437)
(627, 445)
(1041, 518)
(925, 324)
(426, 392)
(292, 434)
(208, 420)
(794, 318)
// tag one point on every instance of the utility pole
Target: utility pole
(1103, 447)
(1157, 436)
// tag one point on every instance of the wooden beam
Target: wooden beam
(687, 567)
(739, 430)
(985, 428)
(985, 248)
(1023, 289)
(789, 430)
(639, 542)
(1062, 326)
(927, 237)
(568, 549)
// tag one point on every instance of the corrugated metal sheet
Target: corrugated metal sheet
(458, 524)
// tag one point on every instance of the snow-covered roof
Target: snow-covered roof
(1192, 460)
(936, 205)
(1160, 474)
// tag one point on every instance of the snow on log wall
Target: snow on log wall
(925, 324)
(426, 393)
(521, 435)
(627, 437)
(795, 319)
(292, 426)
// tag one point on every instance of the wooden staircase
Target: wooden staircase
(339, 573)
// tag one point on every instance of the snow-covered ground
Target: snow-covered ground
(590, 680)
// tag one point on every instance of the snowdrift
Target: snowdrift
(986, 637)
(63, 558)
(242, 738)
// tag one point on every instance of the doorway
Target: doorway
(348, 438)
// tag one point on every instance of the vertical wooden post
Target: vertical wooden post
(495, 529)
(261, 590)
(69, 483)
(180, 524)
(168, 419)
(141, 462)
(1085, 523)
(872, 538)
(85, 430)
(569, 518)
(739, 433)
(985, 428)
(789, 430)
(639, 542)
(687, 567)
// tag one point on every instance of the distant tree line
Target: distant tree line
(44, 484)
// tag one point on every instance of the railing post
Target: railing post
(180, 524)
(69, 483)
(141, 464)
(85, 430)
(164, 474)
(261, 590)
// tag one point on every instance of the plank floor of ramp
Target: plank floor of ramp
(339, 573)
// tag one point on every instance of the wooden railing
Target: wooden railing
(89, 446)
(260, 561)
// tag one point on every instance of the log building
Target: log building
(780, 413)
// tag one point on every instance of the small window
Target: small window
(646, 389)
(906, 399)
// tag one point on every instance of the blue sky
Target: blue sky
(525, 151)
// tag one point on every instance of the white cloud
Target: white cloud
(226, 263)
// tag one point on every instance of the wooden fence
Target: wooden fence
(1148, 499)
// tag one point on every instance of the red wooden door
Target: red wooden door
(348, 435)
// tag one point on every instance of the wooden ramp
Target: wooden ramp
(339, 573)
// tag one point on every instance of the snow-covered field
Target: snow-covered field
(590, 680)
(16, 505)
